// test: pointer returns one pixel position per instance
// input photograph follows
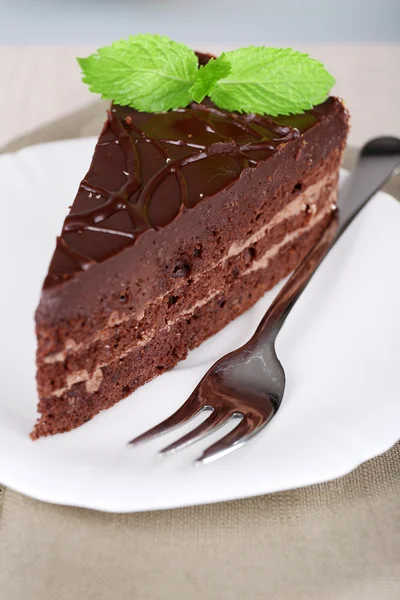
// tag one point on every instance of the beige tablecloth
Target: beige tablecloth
(335, 541)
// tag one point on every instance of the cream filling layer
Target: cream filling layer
(301, 203)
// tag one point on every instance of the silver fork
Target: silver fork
(249, 383)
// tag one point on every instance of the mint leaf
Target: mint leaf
(273, 81)
(154, 74)
(148, 72)
(208, 75)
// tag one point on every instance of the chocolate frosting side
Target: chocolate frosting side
(149, 168)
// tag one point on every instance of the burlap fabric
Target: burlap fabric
(335, 541)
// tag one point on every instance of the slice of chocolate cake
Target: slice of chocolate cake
(183, 221)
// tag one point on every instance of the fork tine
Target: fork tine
(185, 413)
(211, 424)
(232, 440)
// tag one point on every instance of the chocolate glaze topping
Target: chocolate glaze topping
(148, 168)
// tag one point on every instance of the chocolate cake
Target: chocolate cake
(183, 221)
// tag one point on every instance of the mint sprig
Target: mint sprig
(154, 74)
(208, 75)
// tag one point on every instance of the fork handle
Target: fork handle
(376, 163)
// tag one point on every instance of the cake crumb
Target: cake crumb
(197, 251)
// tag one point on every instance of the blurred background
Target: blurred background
(358, 40)
(200, 21)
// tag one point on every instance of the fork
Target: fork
(249, 383)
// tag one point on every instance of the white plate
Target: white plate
(340, 348)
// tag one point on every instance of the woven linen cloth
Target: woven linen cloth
(334, 541)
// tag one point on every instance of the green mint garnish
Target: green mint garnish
(154, 74)
(149, 72)
(208, 75)
(273, 81)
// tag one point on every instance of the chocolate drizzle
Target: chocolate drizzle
(148, 168)
(114, 201)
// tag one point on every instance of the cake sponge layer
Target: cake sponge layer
(119, 378)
